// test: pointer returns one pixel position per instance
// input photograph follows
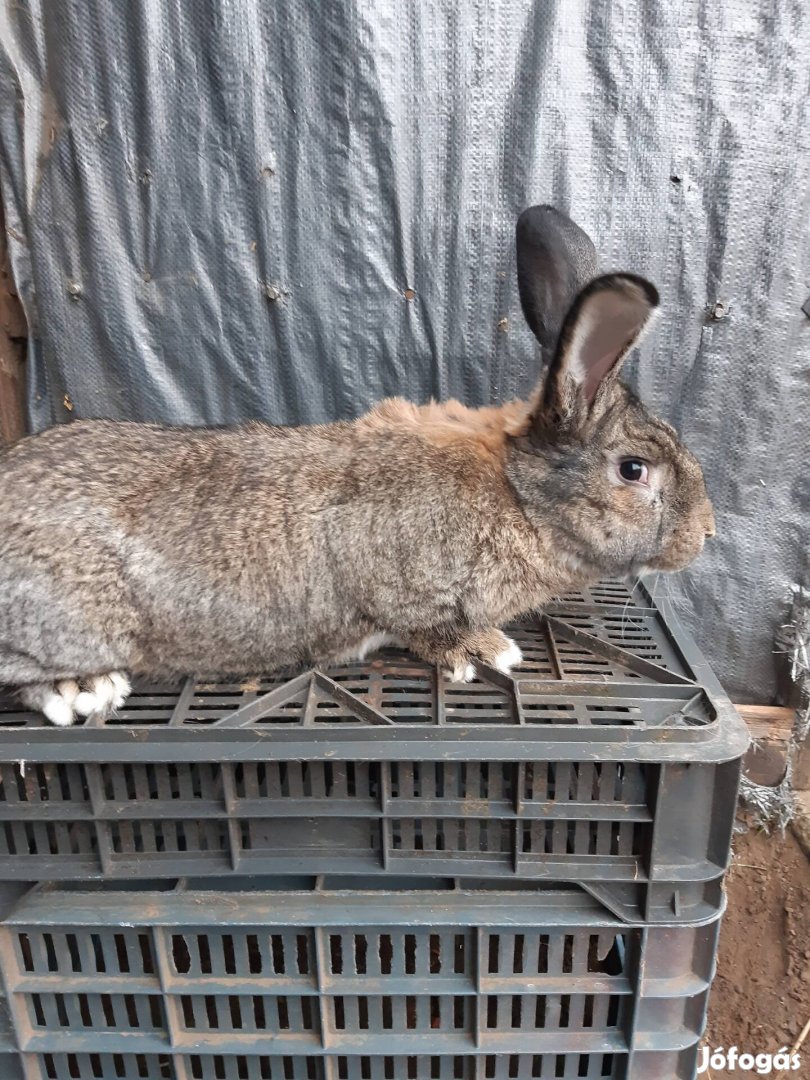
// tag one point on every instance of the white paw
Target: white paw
(104, 693)
(57, 705)
(462, 673)
(123, 688)
(509, 658)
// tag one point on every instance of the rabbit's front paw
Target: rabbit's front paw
(462, 672)
(489, 647)
(493, 648)
(508, 657)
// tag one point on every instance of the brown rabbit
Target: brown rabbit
(135, 548)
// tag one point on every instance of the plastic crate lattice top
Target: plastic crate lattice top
(599, 657)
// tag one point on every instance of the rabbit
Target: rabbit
(135, 548)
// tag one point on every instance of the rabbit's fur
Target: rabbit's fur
(136, 548)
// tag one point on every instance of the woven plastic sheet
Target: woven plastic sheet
(252, 209)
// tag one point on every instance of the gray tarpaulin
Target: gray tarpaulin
(291, 209)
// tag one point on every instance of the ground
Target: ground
(761, 996)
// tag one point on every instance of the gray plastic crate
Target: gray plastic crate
(611, 759)
(369, 980)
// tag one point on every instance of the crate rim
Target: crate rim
(219, 907)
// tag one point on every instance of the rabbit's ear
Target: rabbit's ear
(604, 323)
(555, 260)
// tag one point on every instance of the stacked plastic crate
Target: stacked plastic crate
(368, 874)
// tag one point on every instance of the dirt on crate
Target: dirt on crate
(761, 996)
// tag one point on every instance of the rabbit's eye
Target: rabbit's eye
(633, 470)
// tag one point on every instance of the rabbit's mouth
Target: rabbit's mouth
(652, 569)
(640, 571)
(675, 561)
(686, 541)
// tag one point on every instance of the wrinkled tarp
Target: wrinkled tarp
(256, 209)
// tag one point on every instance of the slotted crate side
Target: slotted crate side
(459, 975)
(653, 839)
(11, 1066)
(667, 1065)
(612, 759)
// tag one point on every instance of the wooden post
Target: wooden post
(13, 332)
(770, 726)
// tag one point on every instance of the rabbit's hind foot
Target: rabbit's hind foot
(62, 701)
